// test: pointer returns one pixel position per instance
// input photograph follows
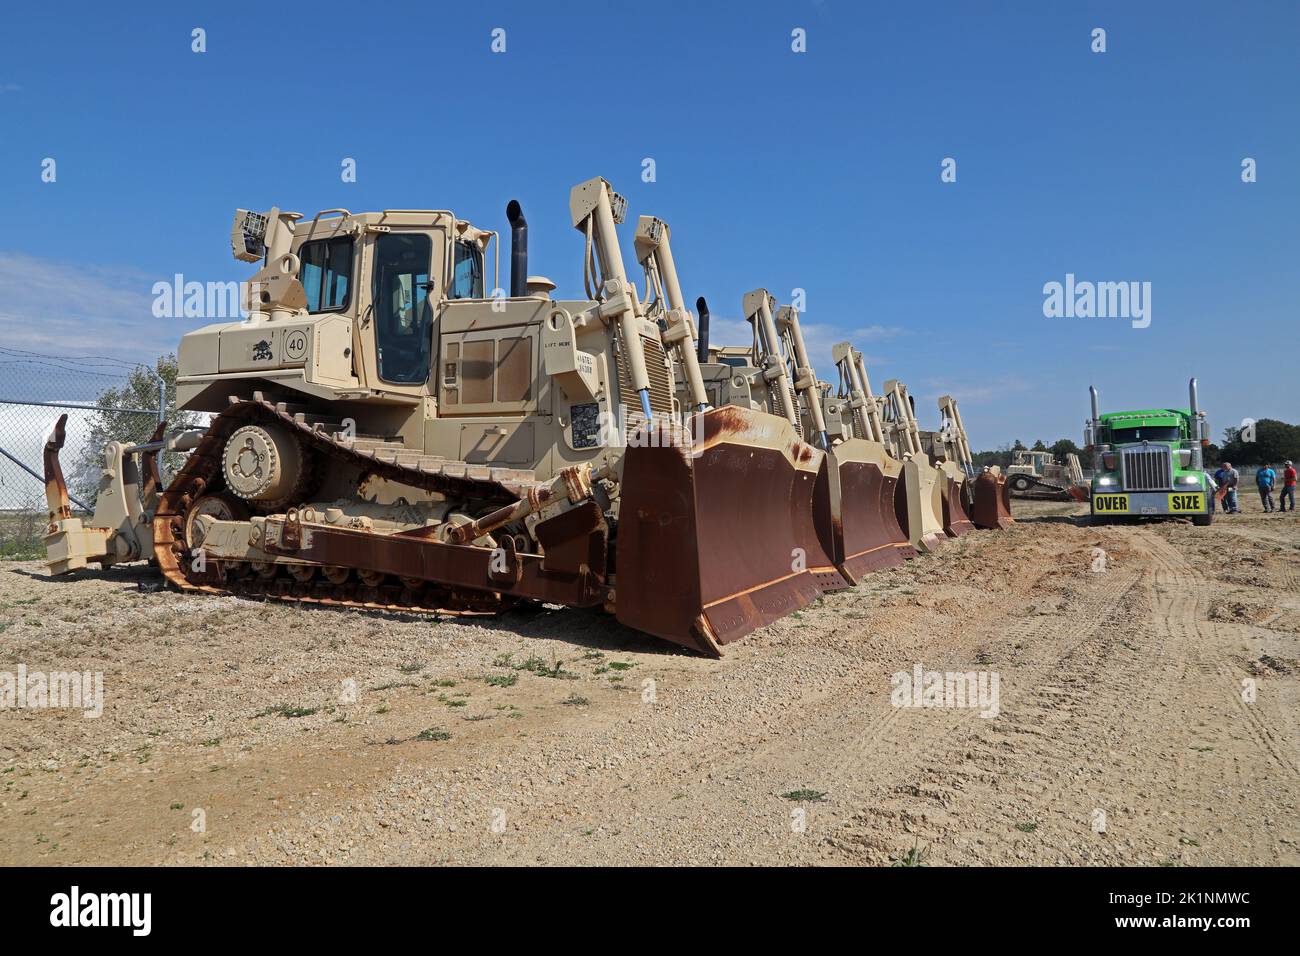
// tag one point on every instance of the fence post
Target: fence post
(162, 399)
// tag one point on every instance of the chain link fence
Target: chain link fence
(105, 399)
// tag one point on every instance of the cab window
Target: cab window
(326, 273)
(403, 313)
(468, 280)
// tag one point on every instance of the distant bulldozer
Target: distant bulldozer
(1037, 474)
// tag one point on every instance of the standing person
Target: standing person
(1288, 488)
(1265, 479)
(1226, 478)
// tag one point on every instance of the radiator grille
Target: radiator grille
(1147, 468)
(657, 371)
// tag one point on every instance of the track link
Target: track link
(201, 475)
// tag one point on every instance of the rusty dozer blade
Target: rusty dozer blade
(718, 538)
(956, 520)
(855, 496)
(918, 504)
(992, 502)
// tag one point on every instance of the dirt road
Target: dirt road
(1145, 713)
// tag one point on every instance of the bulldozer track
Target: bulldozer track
(201, 475)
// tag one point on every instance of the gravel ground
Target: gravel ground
(237, 732)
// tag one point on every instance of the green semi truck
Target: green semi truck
(1149, 463)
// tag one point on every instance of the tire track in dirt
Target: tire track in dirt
(1187, 613)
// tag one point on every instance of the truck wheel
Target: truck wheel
(1203, 521)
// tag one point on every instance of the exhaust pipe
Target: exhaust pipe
(1198, 442)
(702, 345)
(1096, 406)
(518, 250)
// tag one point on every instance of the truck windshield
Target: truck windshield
(1125, 436)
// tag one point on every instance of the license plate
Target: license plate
(1110, 504)
(1186, 504)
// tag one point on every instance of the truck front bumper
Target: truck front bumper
(1139, 503)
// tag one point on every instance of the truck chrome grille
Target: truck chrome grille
(1147, 468)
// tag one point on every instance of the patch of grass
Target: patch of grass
(394, 685)
(288, 710)
(1029, 826)
(555, 669)
(593, 655)
(215, 741)
(382, 709)
(177, 806)
(916, 856)
(501, 680)
(574, 700)
(806, 796)
(444, 682)
(433, 733)
(621, 665)
(410, 668)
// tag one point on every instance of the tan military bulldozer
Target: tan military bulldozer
(389, 432)
(920, 504)
(853, 500)
(984, 492)
(867, 472)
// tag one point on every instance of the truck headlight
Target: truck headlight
(1103, 482)
(1188, 480)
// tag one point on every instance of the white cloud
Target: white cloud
(49, 306)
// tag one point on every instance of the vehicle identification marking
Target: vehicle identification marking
(1110, 504)
(1184, 503)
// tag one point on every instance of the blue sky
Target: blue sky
(816, 170)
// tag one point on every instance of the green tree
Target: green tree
(1039, 446)
(127, 413)
(1274, 441)
(1063, 447)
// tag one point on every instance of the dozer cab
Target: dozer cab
(388, 434)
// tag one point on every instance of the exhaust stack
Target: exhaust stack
(1096, 405)
(1198, 432)
(702, 346)
(518, 250)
